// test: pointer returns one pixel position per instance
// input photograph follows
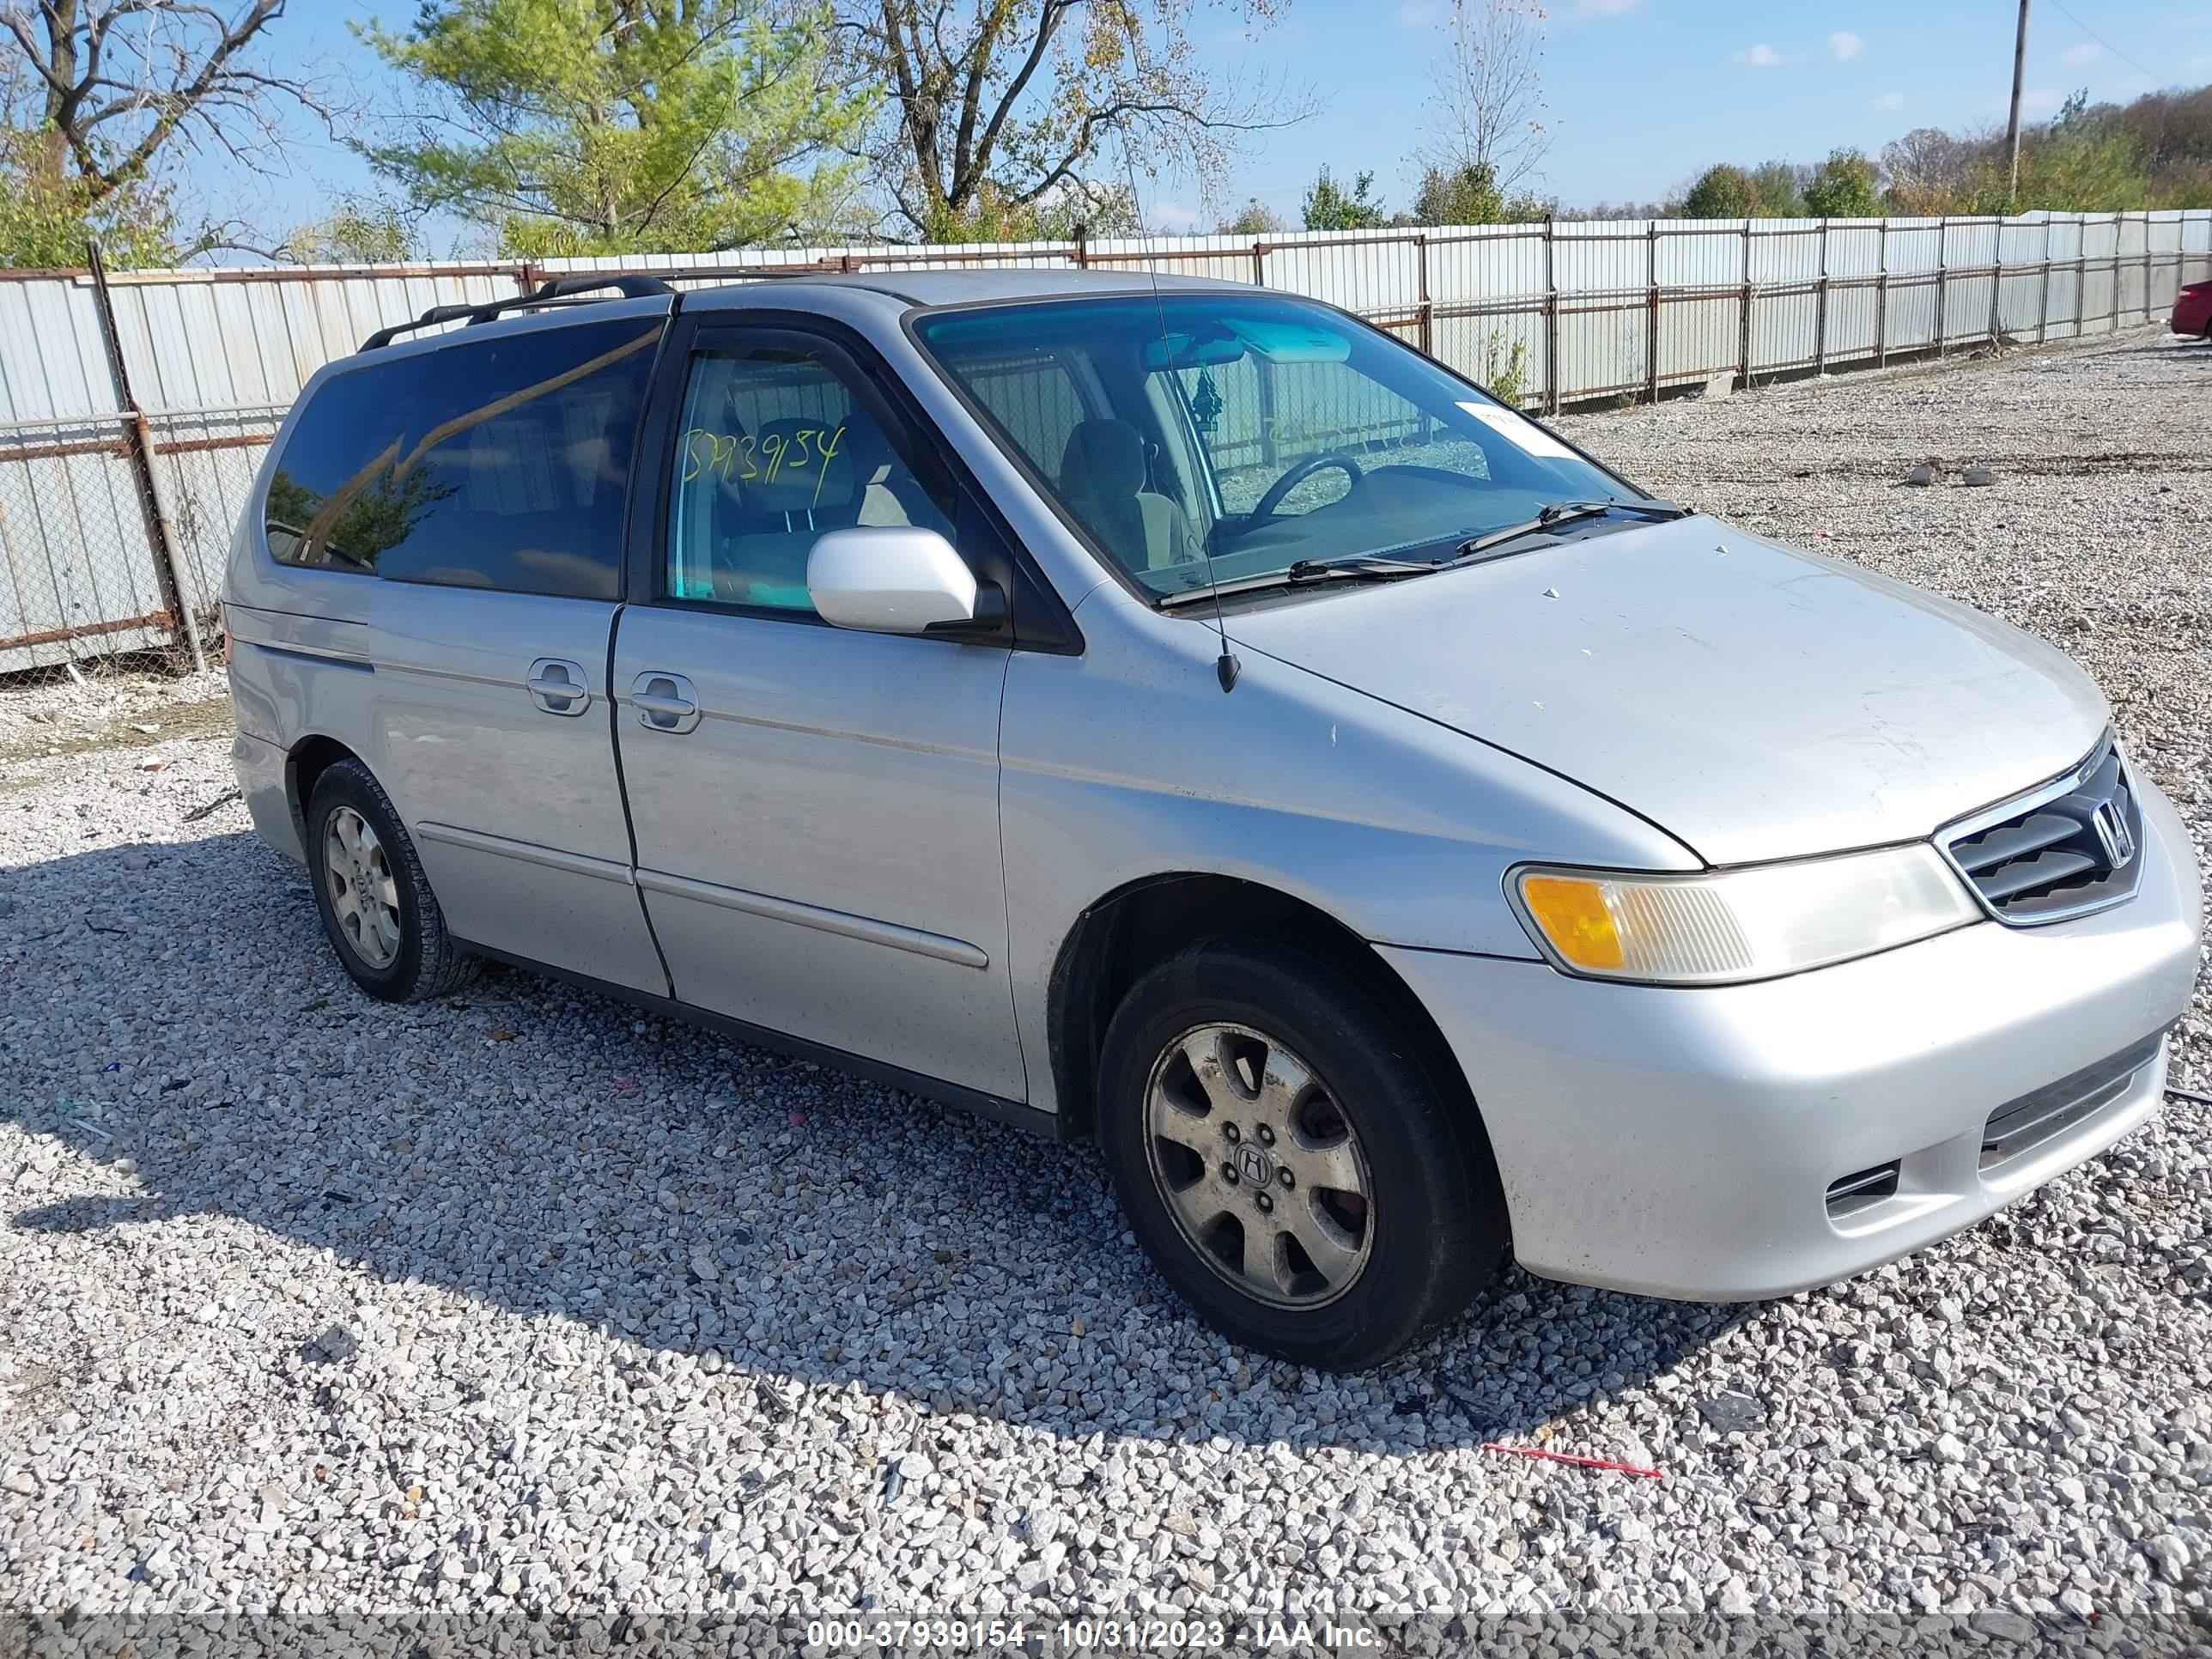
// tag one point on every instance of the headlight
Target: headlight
(1751, 923)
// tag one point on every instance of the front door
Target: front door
(816, 809)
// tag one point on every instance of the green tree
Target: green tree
(357, 232)
(1843, 187)
(45, 221)
(1329, 206)
(1722, 192)
(1469, 195)
(2086, 161)
(606, 126)
(1777, 186)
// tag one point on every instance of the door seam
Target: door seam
(622, 789)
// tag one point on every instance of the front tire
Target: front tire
(377, 908)
(1289, 1158)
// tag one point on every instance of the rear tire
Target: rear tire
(377, 910)
(1290, 1160)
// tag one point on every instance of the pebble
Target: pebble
(385, 1311)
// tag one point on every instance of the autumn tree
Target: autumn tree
(995, 106)
(1469, 195)
(1254, 218)
(356, 232)
(1486, 98)
(1930, 171)
(604, 126)
(105, 102)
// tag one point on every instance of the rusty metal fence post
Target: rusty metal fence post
(1821, 304)
(1421, 279)
(1552, 376)
(1996, 278)
(1743, 320)
(1652, 308)
(2043, 310)
(138, 443)
(1943, 278)
(1882, 298)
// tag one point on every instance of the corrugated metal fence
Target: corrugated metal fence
(133, 411)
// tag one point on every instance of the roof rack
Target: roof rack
(557, 291)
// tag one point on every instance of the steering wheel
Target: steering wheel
(1299, 472)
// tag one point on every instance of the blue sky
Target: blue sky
(1641, 93)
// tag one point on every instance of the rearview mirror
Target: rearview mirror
(894, 579)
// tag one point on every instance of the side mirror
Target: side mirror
(897, 578)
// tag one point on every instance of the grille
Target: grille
(1862, 1191)
(2021, 1125)
(2071, 846)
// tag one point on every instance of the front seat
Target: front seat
(1101, 474)
(795, 493)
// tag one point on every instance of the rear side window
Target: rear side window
(500, 464)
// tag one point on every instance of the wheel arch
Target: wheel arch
(1126, 930)
(304, 763)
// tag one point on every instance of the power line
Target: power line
(2156, 80)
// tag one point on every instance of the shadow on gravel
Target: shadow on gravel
(549, 1152)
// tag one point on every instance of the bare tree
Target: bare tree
(109, 89)
(1000, 116)
(1486, 93)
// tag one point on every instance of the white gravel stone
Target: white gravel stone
(306, 1302)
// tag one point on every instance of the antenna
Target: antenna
(1227, 668)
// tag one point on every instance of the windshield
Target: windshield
(1257, 429)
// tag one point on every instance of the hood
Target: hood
(1755, 702)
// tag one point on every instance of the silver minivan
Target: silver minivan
(1185, 715)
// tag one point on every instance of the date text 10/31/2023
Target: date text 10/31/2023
(1072, 1636)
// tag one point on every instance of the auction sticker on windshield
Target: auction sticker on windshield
(1525, 435)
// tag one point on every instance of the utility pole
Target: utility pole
(2012, 128)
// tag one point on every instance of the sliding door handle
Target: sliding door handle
(558, 686)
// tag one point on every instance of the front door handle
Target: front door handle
(556, 685)
(665, 702)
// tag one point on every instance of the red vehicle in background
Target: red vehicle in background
(2192, 310)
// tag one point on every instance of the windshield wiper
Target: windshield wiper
(1563, 513)
(1356, 565)
(1368, 567)
(1306, 573)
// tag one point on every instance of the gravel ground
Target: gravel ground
(309, 1304)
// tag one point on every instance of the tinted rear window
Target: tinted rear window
(501, 463)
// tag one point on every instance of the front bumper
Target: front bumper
(1684, 1142)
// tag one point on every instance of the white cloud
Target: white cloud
(1845, 45)
(1890, 101)
(2038, 101)
(1602, 8)
(2087, 53)
(1416, 14)
(1761, 55)
(1174, 217)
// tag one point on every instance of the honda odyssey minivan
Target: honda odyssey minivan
(1183, 714)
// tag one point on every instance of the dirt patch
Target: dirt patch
(137, 727)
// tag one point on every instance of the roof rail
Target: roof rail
(559, 290)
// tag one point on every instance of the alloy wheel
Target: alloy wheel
(1259, 1165)
(364, 896)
